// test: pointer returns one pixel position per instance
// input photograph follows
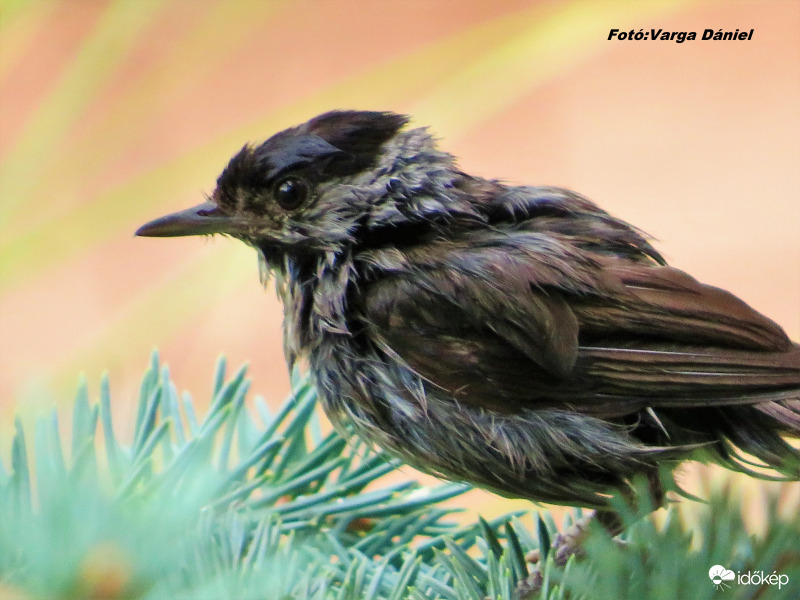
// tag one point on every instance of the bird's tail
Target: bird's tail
(785, 413)
(763, 439)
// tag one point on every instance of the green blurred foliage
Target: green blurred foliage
(248, 504)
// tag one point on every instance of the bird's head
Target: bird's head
(306, 189)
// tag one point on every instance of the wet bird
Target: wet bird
(519, 338)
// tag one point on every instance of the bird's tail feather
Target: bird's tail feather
(770, 426)
(785, 413)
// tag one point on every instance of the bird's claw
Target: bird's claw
(565, 545)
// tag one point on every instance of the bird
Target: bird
(518, 338)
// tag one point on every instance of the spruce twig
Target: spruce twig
(241, 505)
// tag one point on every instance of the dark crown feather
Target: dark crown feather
(359, 133)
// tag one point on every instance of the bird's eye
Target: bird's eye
(291, 192)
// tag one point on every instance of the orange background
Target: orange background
(112, 113)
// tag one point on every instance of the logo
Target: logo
(719, 575)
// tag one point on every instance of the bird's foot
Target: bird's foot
(565, 545)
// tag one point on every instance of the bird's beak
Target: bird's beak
(202, 219)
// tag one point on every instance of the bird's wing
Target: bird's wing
(521, 319)
(677, 341)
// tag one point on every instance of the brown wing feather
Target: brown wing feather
(665, 302)
(646, 335)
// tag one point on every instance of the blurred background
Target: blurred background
(116, 112)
